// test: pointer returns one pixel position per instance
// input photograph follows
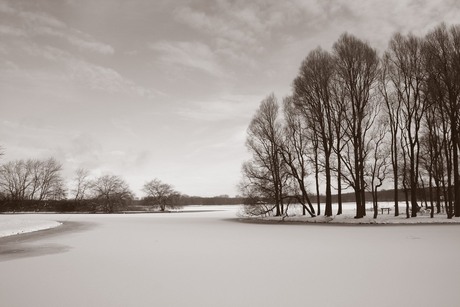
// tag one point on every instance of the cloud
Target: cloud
(219, 25)
(242, 22)
(76, 38)
(85, 150)
(11, 31)
(227, 107)
(106, 79)
(30, 136)
(41, 23)
(243, 34)
(241, 28)
(41, 18)
(376, 21)
(8, 66)
(6, 8)
(194, 55)
(91, 45)
(92, 75)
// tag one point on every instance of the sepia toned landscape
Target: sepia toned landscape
(229, 153)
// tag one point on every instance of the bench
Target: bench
(387, 209)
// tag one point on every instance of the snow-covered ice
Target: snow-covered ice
(17, 224)
(202, 258)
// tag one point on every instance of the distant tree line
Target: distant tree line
(210, 201)
(356, 119)
(38, 186)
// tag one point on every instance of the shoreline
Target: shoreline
(26, 245)
(320, 221)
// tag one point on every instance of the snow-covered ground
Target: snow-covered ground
(386, 216)
(203, 258)
(17, 224)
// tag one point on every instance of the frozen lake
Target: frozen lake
(201, 258)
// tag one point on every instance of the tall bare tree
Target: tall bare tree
(376, 168)
(265, 174)
(436, 144)
(295, 150)
(393, 107)
(313, 94)
(339, 111)
(357, 67)
(407, 74)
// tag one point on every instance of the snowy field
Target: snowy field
(204, 258)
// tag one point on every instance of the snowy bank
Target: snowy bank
(348, 219)
(385, 216)
(14, 224)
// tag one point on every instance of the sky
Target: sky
(166, 89)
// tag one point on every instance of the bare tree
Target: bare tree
(161, 195)
(82, 184)
(15, 179)
(295, 150)
(357, 67)
(393, 107)
(436, 144)
(378, 163)
(432, 158)
(112, 192)
(339, 111)
(265, 174)
(407, 74)
(49, 178)
(256, 187)
(314, 158)
(314, 100)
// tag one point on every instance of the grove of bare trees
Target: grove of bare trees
(32, 180)
(38, 185)
(356, 120)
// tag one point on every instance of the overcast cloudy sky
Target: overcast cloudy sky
(166, 89)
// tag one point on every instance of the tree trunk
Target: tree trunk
(394, 155)
(317, 181)
(431, 196)
(456, 167)
(339, 185)
(375, 202)
(328, 209)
